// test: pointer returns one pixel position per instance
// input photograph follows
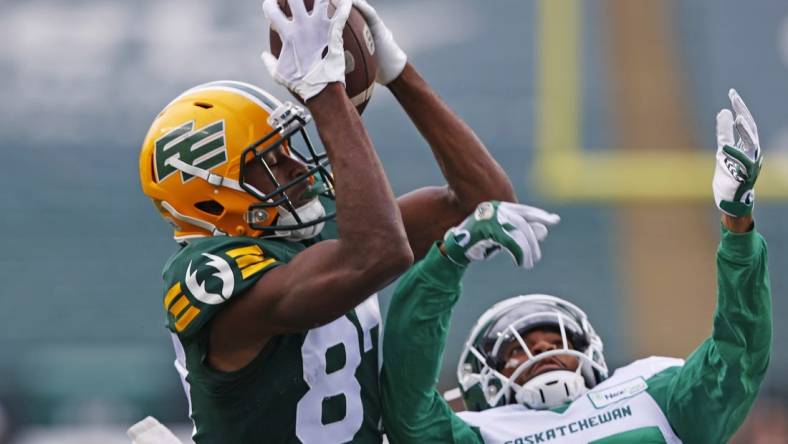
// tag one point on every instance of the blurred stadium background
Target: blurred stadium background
(601, 110)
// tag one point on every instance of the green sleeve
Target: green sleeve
(203, 276)
(414, 338)
(708, 398)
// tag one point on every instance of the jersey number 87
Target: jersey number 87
(339, 383)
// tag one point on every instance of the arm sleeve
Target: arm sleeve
(414, 338)
(708, 398)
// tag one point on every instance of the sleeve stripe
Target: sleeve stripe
(245, 261)
(251, 249)
(248, 271)
(178, 307)
(171, 293)
(187, 318)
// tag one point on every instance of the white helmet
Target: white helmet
(483, 385)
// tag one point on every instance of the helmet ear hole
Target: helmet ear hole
(210, 206)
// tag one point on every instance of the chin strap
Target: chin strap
(308, 212)
(194, 221)
(552, 389)
(311, 211)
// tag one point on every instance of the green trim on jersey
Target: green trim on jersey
(705, 400)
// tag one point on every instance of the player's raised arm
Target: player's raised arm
(420, 312)
(329, 278)
(708, 398)
(472, 175)
(270, 299)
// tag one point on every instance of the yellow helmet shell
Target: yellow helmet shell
(209, 127)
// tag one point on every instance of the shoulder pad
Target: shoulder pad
(645, 368)
(208, 273)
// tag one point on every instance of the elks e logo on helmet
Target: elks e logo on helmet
(203, 148)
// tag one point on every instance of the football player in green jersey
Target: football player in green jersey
(533, 370)
(271, 299)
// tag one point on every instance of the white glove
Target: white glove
(301, 68)
(738, 163)
(391, 58)
(151, 431)
(516, 228)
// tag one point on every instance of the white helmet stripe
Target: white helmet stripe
(261, 98)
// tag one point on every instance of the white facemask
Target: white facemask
(308, 212)
(552, 389)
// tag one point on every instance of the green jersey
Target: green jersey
(703, 399)
(315, 386)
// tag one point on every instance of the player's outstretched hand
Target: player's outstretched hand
(302, 67)
(494, 226)
(738, 162)
(391, 58)
(151, 431)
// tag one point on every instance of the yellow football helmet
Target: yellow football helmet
(194, 156)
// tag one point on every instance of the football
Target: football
(360, 63)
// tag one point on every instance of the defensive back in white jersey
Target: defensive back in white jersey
(612, 411)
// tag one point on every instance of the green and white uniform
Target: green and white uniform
(655, 400)
(316, 386)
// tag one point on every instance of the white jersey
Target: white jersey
(615, 411)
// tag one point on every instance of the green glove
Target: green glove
(494, 226)
(738, 163)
